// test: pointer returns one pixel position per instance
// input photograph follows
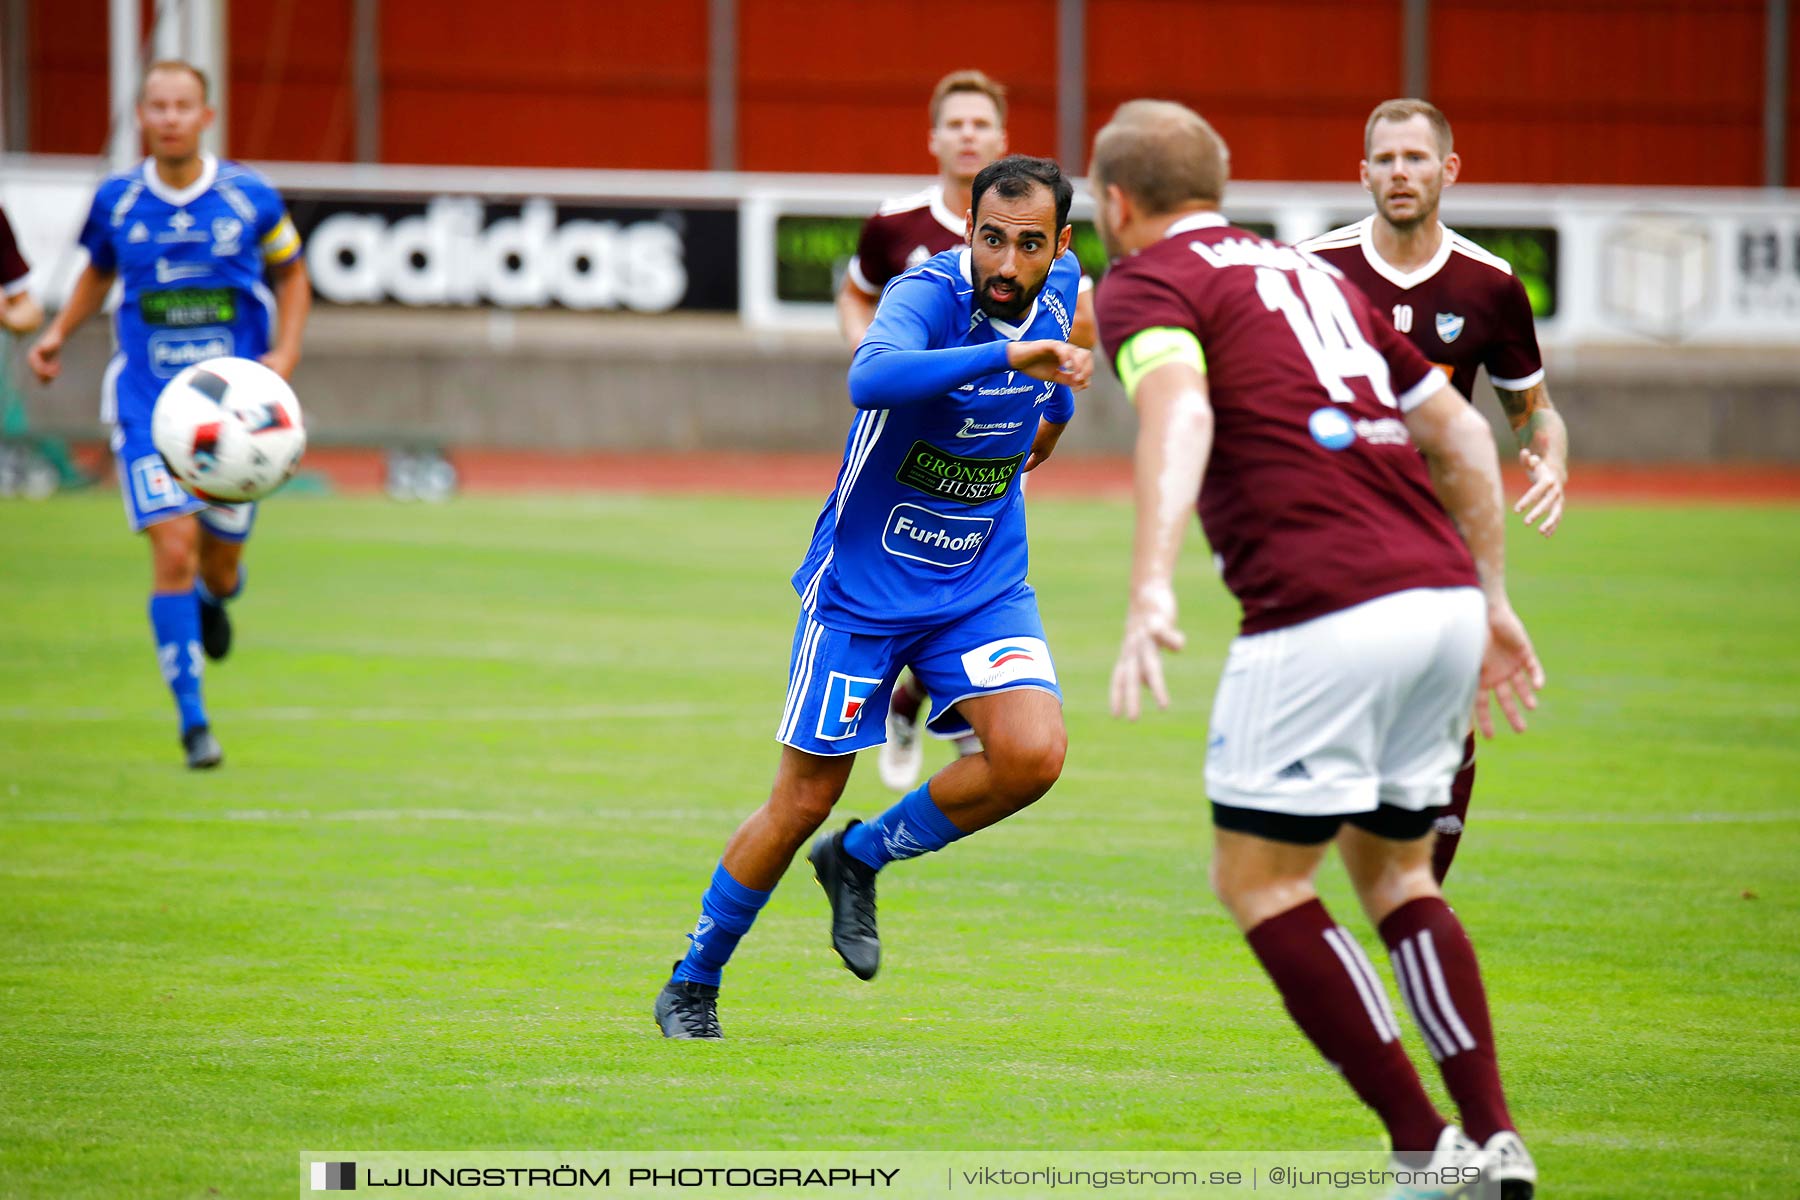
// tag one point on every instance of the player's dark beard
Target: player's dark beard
(1009, 310)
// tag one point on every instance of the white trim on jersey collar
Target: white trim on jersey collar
(940, 212)
(1365, 236)
(209, 171)
(1195, 222)
(1009, 331)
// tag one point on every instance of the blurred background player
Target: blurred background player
(19, 313)
(968, 131)
(1343, 704)
(192, 237)
(919, 557)
(1463, 308)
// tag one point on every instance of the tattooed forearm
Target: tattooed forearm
(1534, 420)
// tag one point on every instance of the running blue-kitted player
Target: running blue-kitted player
(963, 382)
(192, 237)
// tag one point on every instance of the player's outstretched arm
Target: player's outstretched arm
(1459, 449)
(1175, 430)
(1053, 362)
(293, 304)
(85, 300)
(1543, 452)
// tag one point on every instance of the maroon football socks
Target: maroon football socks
(1333, 993)
(1451, 820)
(1435, 966)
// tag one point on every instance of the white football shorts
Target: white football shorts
(1366, 706)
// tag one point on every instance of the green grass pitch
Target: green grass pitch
(482, 757)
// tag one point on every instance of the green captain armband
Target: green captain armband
(1148, 349)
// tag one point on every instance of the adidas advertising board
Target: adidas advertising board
(537, 253)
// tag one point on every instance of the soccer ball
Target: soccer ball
(229, 429)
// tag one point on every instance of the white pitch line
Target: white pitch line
(567, 712)
(588, 816)
(1701, 818)
(582, 817)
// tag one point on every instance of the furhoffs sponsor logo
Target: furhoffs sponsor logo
(936, 538)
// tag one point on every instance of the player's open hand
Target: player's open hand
(1510, 671)
(45, 355)
(1052, 362)
(1545, 496)
(1149, 630)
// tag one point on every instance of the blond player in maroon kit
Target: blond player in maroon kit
(1464, 309)
(1372, 579)
(968, 131)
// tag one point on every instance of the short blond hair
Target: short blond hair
(174, 64)
(1406, 110)
(1163, 155)
(977, 82)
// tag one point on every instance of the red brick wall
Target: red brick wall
(1541, 91)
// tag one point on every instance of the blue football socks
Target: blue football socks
(912, 827)
(175, 619)
(204, 593)
(727, 911)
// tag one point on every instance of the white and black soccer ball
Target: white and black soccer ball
(229, 429)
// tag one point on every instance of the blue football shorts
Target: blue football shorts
(152, 496)
(839, 684)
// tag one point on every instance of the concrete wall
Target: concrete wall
(572, 382)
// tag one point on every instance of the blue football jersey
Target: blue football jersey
(927, 520)
(191, 264)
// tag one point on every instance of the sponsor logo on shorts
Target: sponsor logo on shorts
(1008, 661)
(845, 697)
(935, 538)
(153, 488)
(171, 352)
(956, 477)
(1331, 428)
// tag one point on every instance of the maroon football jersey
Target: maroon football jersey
(13, 267)
(903, 234)
(1464, 309)
(1315, 496)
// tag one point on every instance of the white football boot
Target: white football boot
(1458, 1169)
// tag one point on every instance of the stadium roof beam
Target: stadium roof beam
(122, 78)
(721, 84)
(15, 84)
(1775, 88)
(1071, 85)
(365, 66)
(1415, 48)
